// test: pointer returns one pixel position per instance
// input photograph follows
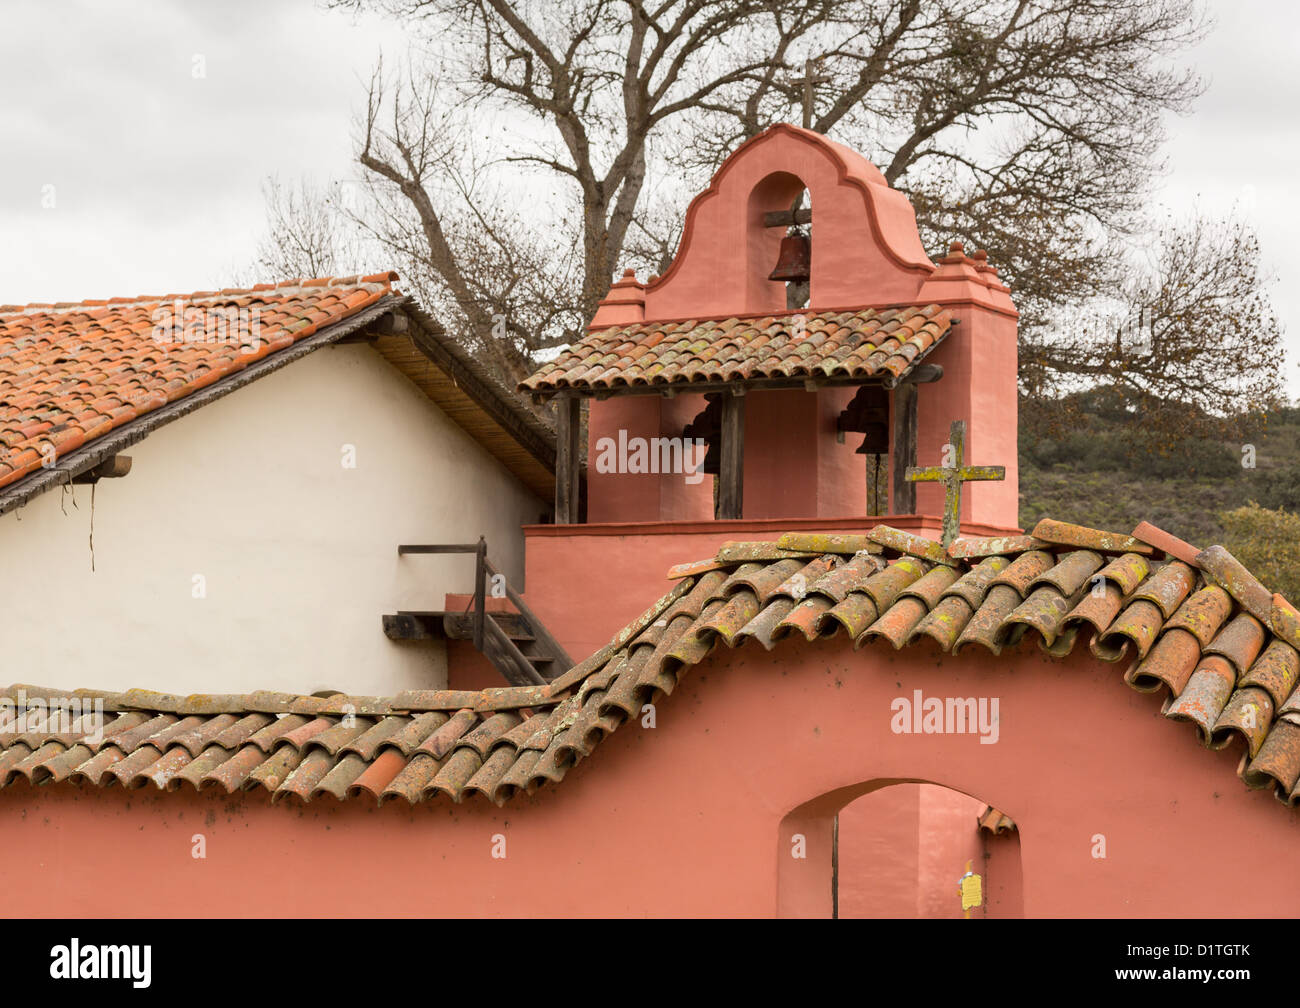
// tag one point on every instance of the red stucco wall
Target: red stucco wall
(902, 850)
(879, 854)
(694, 816)
(587, 582)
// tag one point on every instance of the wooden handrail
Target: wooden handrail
(480, 591)
(457, 548)
(539, 628)
(488, 636)
(527, 672)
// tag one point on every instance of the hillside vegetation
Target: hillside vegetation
(1104, 473)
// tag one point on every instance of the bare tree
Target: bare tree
(308, 234)
(1190, 342)
(1031, 128)
(467, 249)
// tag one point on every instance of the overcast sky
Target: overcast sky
(156, 173)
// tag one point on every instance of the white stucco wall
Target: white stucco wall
(297, 553)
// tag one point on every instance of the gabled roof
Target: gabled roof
(81, 381)
(1192, 624)
(862, 345)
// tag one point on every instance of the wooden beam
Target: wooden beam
(459, 626)
(392, 324)
(904, 410)
(923, 374)
(493, 402)
(111, 468)
(415, 624)
(786, 218)
(731, 475)
(568, 425)
(449, 548)
(404, 626)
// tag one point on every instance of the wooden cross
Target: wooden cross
(953, 477)
(812, 76)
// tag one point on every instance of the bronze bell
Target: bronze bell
(795, 261)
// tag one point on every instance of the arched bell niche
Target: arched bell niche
(780, 208)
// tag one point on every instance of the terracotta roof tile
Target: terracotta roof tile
(1173, 628)
(1227, 571)
(1277, 671)
(995, 821)
(72, 372)
(861, 344)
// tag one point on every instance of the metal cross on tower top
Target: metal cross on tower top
(953, 476)
(812, 76)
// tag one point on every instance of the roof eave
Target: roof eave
(83, 459)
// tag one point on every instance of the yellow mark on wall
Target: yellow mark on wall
(971, 887)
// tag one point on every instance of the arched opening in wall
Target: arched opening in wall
(868, 413)
(899, 849)
(794, 263)
(780, 243)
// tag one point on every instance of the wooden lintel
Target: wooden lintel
(786, 218)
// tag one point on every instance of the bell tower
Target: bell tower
(800, 352)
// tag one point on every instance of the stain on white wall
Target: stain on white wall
(242, 552)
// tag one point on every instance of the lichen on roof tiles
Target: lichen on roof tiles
(865, 344)
(1170, 625)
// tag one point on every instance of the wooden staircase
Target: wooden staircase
(516, 643)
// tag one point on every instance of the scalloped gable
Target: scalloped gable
(866, 247)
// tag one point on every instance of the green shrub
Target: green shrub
(1099, 447)
(1278, 489)
(1268, 543)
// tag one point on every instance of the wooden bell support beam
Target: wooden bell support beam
(904, 410)
(731, 477)
(787, 218)
(568, 427)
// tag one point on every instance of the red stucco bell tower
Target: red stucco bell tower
(895, 342)
(866, 256)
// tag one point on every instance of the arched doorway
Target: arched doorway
(897, 849)
(900, 852)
